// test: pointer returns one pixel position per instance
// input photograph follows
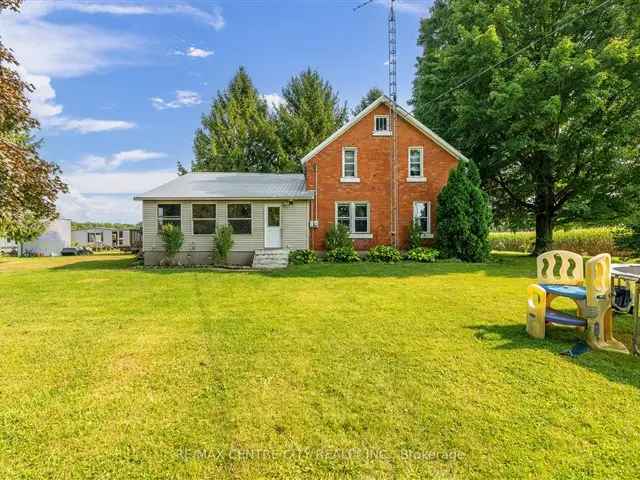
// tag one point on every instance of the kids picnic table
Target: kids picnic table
(630, 273)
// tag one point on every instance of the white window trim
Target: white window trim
(415, 178)
(343, 177)
(193, 219)
(428, 233)
(158, 217)
(381, 133)
(253, 227)
(352, 218)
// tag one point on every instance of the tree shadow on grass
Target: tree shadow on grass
(616, 367)
(89, 263)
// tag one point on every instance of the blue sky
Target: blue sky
(121, 85)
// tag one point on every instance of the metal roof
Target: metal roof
(219, 185)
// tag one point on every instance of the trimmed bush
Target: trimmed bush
(415, 235)
(342, 255)
(338, 237)
(585, 241)
(384, 254)
(172, 239)
(302, 257)
(423, 255)
(223, 242)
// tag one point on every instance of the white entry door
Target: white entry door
(272, 227)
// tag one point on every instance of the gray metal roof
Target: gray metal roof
(209, 185)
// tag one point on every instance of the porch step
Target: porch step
(271, 258)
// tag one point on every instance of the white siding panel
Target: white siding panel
(295, 226)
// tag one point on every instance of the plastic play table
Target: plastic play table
(630, 272)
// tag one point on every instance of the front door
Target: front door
(272, 228)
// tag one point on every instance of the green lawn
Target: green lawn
(362, 371)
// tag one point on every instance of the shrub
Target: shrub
(172, 239)
(302, 257)
(464, 216)
(627, 239)
(223, 242)
(415, 235)
(423, 255)
(585, 241)
(384, 254)
(338, 237)
(342, 255)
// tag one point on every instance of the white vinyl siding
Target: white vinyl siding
(294, 221)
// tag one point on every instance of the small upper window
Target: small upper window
(416, 168)
(169, 214)
(239, 217)
(381, 123)
(350, 162)
(204, 218)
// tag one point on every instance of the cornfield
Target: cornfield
(586, 241)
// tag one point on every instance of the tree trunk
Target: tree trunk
(545, 203)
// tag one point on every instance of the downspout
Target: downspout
(315, 205)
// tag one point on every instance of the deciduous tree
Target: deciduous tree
(29, 185)
(371, 96)
(544, 95)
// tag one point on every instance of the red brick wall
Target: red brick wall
(374, 154)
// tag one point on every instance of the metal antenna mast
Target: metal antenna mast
(393, 95)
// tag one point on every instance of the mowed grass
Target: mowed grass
(325, 371)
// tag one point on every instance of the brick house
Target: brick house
(354, 182)
(349, 178)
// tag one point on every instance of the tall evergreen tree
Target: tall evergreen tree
(238, 135)
(311, 112)
(371, 96)
(544, 95)
(464, 216)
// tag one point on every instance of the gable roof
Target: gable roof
(402, 113)
(230, 185)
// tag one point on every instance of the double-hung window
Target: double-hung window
(349, 164)
(204, 218)
(381, 124)
(353, 215)
(422, 217)
(169, 214)
(93, 237)
(239, 217)
(416, 164)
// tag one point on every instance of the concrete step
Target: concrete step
(269, 259)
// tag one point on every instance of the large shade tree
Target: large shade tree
(544, 95)
(238, 134)
(311, 111)
(29, 185)
(371, 96)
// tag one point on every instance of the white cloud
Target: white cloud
(184, 98)
(108, 197)
(47, 50)
(117, 182)
(273, 101)
(195, 52)
(100, 163)
(41, 8)
(414, 7)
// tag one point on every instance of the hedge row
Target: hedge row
(586, 241)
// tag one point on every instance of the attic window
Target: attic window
(381, 124)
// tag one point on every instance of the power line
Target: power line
(526, 47)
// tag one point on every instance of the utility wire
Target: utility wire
(531, 44)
